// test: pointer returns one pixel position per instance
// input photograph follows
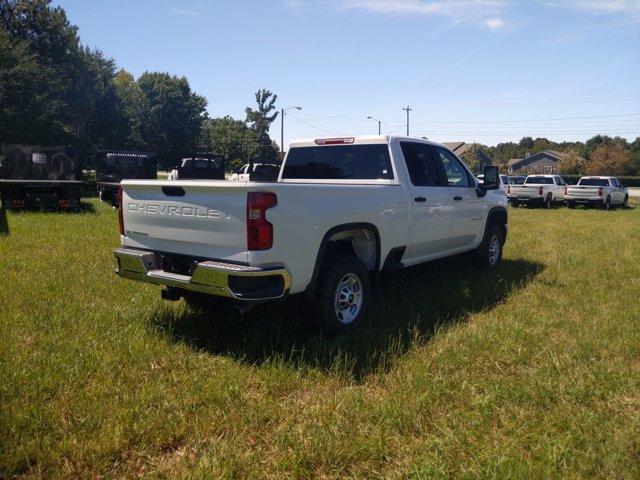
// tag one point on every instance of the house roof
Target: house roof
(552, 154)
(454, 146)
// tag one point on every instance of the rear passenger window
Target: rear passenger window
(340, 162)
(422, 168)
(457, 175)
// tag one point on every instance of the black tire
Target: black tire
(625, 202)
(571, 204)
(548, 202)
(347, 270)
(607, 204)
(485, 256)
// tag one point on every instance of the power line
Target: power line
(314, 126)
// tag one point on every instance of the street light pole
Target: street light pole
(282, 111)
(379, 124)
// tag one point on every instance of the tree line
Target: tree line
(600, 155)
(55, 91)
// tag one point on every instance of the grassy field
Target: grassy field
(532, 371)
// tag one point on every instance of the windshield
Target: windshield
(594, 182)
(348, 162)
(539, 180)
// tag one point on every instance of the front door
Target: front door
(468, 208)
(431, 204)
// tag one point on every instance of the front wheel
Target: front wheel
(489, 253)
(343, 293)
(625, 202)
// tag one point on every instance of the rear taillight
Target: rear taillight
(540, 190)
(259, 230)
(17, 204)
(600, 191)
(63, 204)
(120, 214)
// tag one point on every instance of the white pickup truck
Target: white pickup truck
(603, 191)
(538, 190)
(341, 211)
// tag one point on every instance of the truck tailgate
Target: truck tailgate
(202, 219)
(525, 191)
(583, 191)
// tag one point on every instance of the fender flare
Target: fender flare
(322, 250)
(492, 212)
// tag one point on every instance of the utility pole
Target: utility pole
(282, 110)
(408, 109)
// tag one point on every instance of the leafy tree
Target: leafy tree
(229, 137)
(472, 158)
(169, 116)
(260, 120)
(40, 55)
(526, 143)
(571, 163)
(609, 158)
(633, 168)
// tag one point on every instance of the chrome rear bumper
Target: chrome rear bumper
(216, 278)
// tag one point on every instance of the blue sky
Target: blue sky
(483, 70)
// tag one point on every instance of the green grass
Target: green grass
(532, 371)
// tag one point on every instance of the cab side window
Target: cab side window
(423, 170)
(457, 175)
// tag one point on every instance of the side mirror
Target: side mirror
(491, 178)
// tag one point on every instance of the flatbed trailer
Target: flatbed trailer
(49, 194)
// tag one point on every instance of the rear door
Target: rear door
(431, 204)
(468, 208)
(617, 192)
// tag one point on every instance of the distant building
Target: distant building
(541, 162)
(460, 148)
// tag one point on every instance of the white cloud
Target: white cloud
(489, 14)
(185, 12)
(460, 9)
(600, 6)
(494, 23)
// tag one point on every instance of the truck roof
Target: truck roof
(544, 175)
(356, 140)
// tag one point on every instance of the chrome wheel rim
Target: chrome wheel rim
(348, 298)
(494, 249)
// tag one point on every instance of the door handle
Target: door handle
(457, 198)
(420, 199)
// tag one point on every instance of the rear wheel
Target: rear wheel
(343, 293)
(571, 204)
(607, 204)
(489, 253)
(548, 202)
